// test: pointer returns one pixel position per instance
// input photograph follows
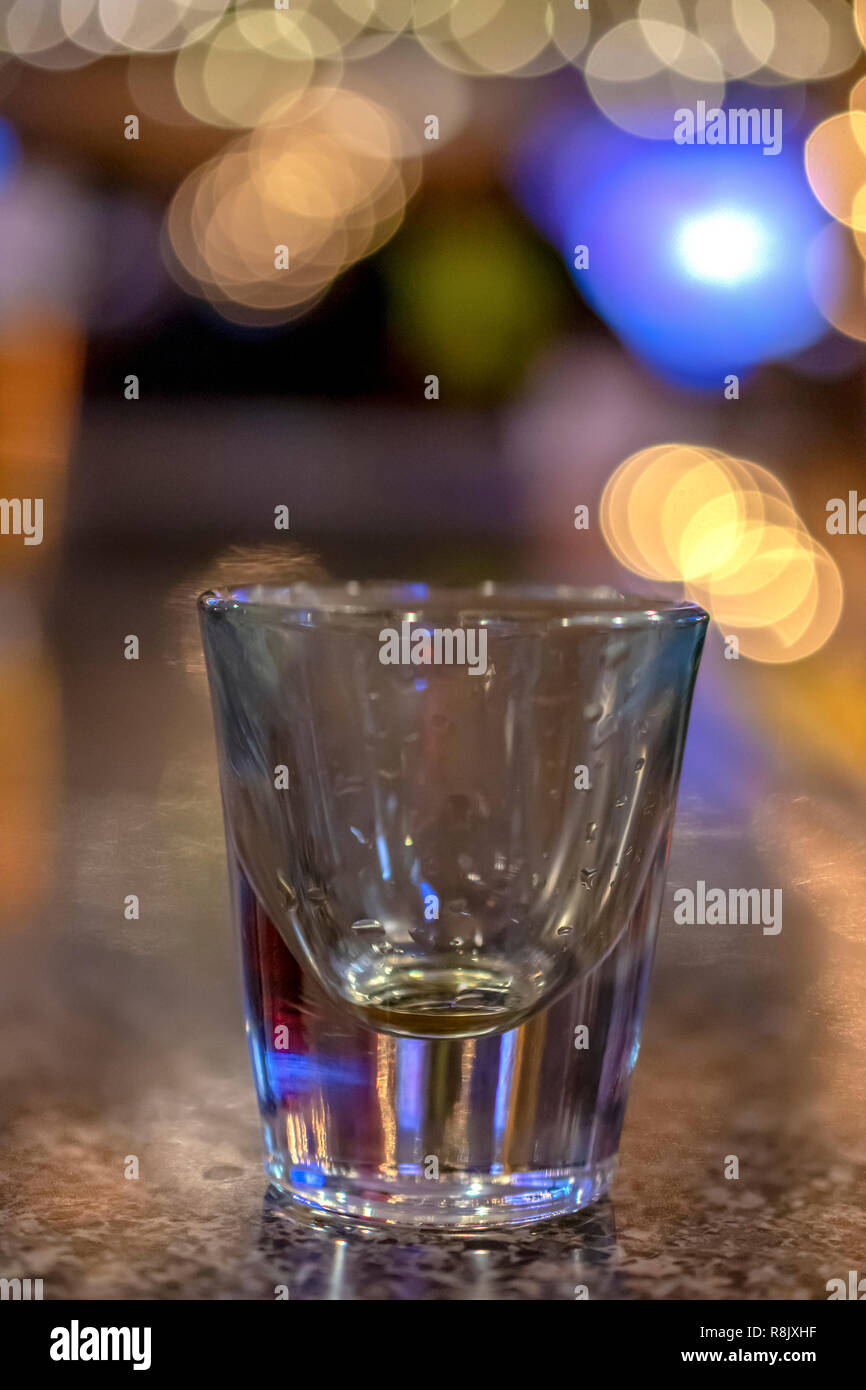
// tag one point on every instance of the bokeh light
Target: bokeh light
(722, 247)
(741, 33)
(263, 229)
(836, 274)
(836, 165)
(470, 294)
(71, 33)
(640, 72)
(253, 61)
(727, 530)
(813, 39)
(697, 256)
(492, 37)
(158, 25)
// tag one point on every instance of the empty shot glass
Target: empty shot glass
(448, 815)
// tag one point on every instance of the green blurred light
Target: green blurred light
(473, 300)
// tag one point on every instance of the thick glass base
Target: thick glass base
(452, 1202)
(452, 1132)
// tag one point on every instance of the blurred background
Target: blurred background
(438, 289)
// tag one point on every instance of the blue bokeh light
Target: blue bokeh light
(723, 246)
(697, 254)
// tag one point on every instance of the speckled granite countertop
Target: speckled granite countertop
(124, 1038)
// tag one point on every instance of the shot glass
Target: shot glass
(448, 814)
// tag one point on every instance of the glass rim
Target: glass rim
(560, 605)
